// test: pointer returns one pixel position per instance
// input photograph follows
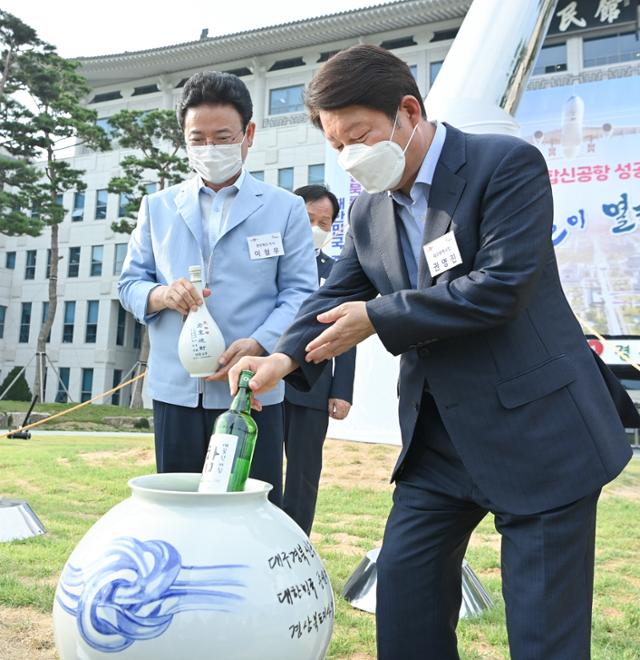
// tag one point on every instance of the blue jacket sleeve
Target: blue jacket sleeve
(297, 277)
(138, 276)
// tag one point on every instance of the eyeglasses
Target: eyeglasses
(202, 141)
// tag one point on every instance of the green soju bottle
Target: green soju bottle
(228, 460)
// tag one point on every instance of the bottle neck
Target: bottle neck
(242, 401)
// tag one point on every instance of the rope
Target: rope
(76, 407)
(620, 353)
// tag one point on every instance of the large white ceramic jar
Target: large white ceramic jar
(173, 574)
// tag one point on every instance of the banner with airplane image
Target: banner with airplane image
(589, 134)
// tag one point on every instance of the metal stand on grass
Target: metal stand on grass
(360, 589)
(18, 521)
(42, 359)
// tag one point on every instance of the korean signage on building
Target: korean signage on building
(572, 15)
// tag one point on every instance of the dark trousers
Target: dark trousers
(547, 561)
(305, 431)
(182, 438)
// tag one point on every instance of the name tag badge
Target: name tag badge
(265, 246)
(442, 254)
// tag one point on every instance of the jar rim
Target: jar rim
(185, 484)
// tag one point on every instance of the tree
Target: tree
(51, 117)
(16, 37)
(156, 139)
(18, 179)
(19, 390)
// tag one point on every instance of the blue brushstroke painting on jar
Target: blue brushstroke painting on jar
(132, 591)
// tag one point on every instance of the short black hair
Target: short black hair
(364, 75)
(215, 88)
(315, 192)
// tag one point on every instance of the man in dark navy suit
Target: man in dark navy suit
(503, 406)
(306, 414)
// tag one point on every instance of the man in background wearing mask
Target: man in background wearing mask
(255, 247)
(503, 406)
(307, 414)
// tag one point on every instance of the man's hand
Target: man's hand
(269, 371)
(351, 325)
(338, 408)
(181, 295)
(239, 349)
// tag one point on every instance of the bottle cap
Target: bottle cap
(245, 377)
(195, 273)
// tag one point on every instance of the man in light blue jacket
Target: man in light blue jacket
(212, 220)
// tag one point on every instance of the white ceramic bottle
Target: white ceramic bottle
(201, 343)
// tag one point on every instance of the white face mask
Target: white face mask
(376, 167)
(320, 237)
(216, 163)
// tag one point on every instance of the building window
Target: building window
(285, 178)
(258, 174)
(400, 42)
(91, 331)
(444, 35)
(121, 326)
(96, 260)
(77, 214)
(3, 316)
(551, 59)
(45, 313)
(60, 199)
(434, 70)
(68, 321)
(105, 125)
(137, 335)
(118, 258)
(63, 385)
(30, 267)
(74, 262)
(102, 197)
(10, 260)
(106, 96)
(117, 377)
(622, 47)
(145, 89)
(288, 63)
(286, 99)
(150, 188)
(25, 323)
(414, 71)
(123, 202)
(316, 174)
(87, 384)
(327, 55)
(48, 273)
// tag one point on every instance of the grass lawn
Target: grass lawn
(72, 481)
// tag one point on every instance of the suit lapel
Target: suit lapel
(384, 217)
(188, 206)
(445, 193)
(247, 201)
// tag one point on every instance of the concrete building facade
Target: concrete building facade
(94, 343)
